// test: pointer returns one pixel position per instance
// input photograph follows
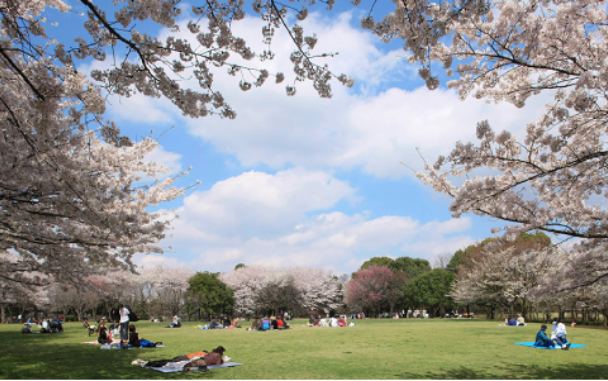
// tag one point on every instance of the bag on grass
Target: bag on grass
(146, 344)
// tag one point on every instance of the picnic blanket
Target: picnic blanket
(179, 366)
(114, 341)
(531, 344)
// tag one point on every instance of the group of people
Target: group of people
(520, 322)
(557, 338)
(319, 321)
(128, 332)
(46, 325)
(223, 321)
(268, 323)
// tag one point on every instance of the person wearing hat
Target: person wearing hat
(543, 341)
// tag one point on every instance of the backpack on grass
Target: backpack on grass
(132, 315)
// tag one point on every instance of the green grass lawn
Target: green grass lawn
(373, 349)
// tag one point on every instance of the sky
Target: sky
(305, 181)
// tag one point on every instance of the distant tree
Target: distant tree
(503, 277)
(278, 292)
(463, 259)
(369, 289)
(431, 290)
(317, 288)
(412, 267)
(377, 261)
(239, 266)
(441, 261)
(208, 294)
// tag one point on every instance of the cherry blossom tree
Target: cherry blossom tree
(309, 288)
(71, 187)
(171, 285)
(369, 289)
(503, 277)
(509, 51)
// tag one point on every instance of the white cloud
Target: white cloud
(373, 131)
(278, 220)
(259, 203)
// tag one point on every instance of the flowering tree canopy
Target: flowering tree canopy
(71, 187)
(314, 288)
(509, 51)
(503, 277)
(370, 288)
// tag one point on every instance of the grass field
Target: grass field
(373, 349)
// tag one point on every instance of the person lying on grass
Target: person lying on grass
(543, 341)
(213, 358)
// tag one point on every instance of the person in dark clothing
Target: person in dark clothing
(213, 324)
(274, 323)
(255, 323)
(56, 326)
(285, 325)
(103, 333)
(311, 319)
(215, 357)
(133, 337)
(226, 322)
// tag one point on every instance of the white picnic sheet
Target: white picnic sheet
(179, 366)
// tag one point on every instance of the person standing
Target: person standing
(124, 326)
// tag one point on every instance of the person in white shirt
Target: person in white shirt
(124, 326)
(334, 322)
(559, 329)
(520, 320)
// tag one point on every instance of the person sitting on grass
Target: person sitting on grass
(560, 333)
(520, 320)
(334, 322)
(544, 342)
(273, 322)
(133, 336)
(255, 323)
(266, 324)
(176, 323)
(45, 326)
(103, 334)
(285, 325)
(213, 324)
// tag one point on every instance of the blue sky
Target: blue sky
(304, 181)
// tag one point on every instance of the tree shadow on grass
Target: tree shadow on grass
(40, 356)
(516, 371)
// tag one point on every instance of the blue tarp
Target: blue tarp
(531, 344)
